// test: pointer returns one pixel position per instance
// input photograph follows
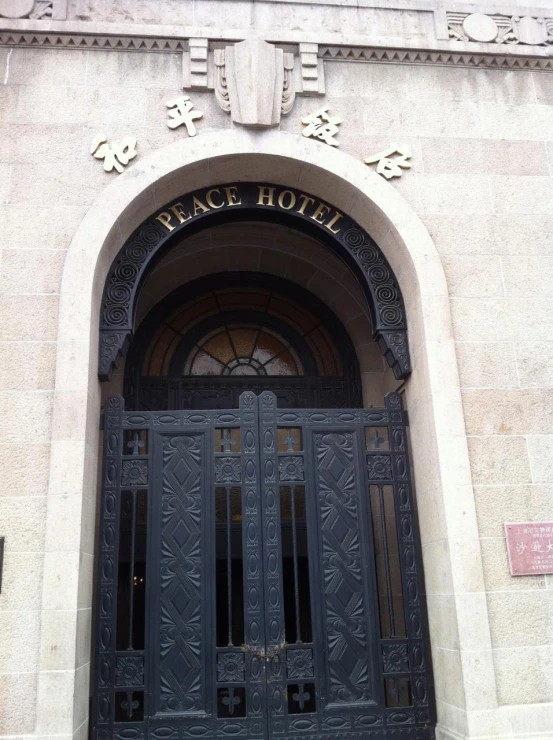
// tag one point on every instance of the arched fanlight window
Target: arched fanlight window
(243, 349)
(227, 333)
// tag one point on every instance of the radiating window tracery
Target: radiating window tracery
(249, 346)
(243, 350)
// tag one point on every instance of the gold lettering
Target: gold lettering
(306, 200)
(179, 213)
(165, 219)
(232, 197)
(265, 196)
(331, 223)
(321, 210)
(292, 199)
(209, 198)
(199, 206)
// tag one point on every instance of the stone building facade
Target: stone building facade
(464, 93)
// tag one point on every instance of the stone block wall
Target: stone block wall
(481, 181)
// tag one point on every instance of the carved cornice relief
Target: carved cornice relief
(440, 58)
(524, 43)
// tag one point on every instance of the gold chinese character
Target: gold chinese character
(321, 126)
(391, 167)
(115, 155)
(182, 114)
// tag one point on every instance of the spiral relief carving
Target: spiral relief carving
(126, 271)
(367, 255)
(379, 274)
(391, 315)
(355, 238)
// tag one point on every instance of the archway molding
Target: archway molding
(245, 201)
(459, 625)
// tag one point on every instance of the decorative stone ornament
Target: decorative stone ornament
(533, 30)
(311, 79)
(480, 27)
(195, 66)
(500, 29)
(26, 8)
(254, 82)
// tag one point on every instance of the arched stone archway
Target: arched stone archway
(464, 673)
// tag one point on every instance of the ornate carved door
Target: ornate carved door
(258, 576)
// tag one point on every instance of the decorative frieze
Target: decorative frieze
(440, 58)
(197, 70)
(500, 29)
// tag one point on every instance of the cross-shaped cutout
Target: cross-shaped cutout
(289, 441)
(129, 705)
(376, 440)
(136, 444)
(226, 440)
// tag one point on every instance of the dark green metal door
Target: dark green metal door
(258, 576)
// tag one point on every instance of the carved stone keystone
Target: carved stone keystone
(254, 82)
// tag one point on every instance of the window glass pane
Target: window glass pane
(267, 347)
(282, 365)
(205, 365)
(295, 565)
(244, 340)
(220, 347)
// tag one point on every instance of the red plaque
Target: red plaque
(530, 547)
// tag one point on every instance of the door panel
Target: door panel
(279, 592)
(180, 620)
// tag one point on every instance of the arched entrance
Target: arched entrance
(257, 524)
(450, 541)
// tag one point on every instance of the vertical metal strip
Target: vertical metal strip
(252, 543)
(108, 552)
(410, 564)
(272, 558)
(389, 593)
(131, 569)
(295, 556)
(229, 564)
